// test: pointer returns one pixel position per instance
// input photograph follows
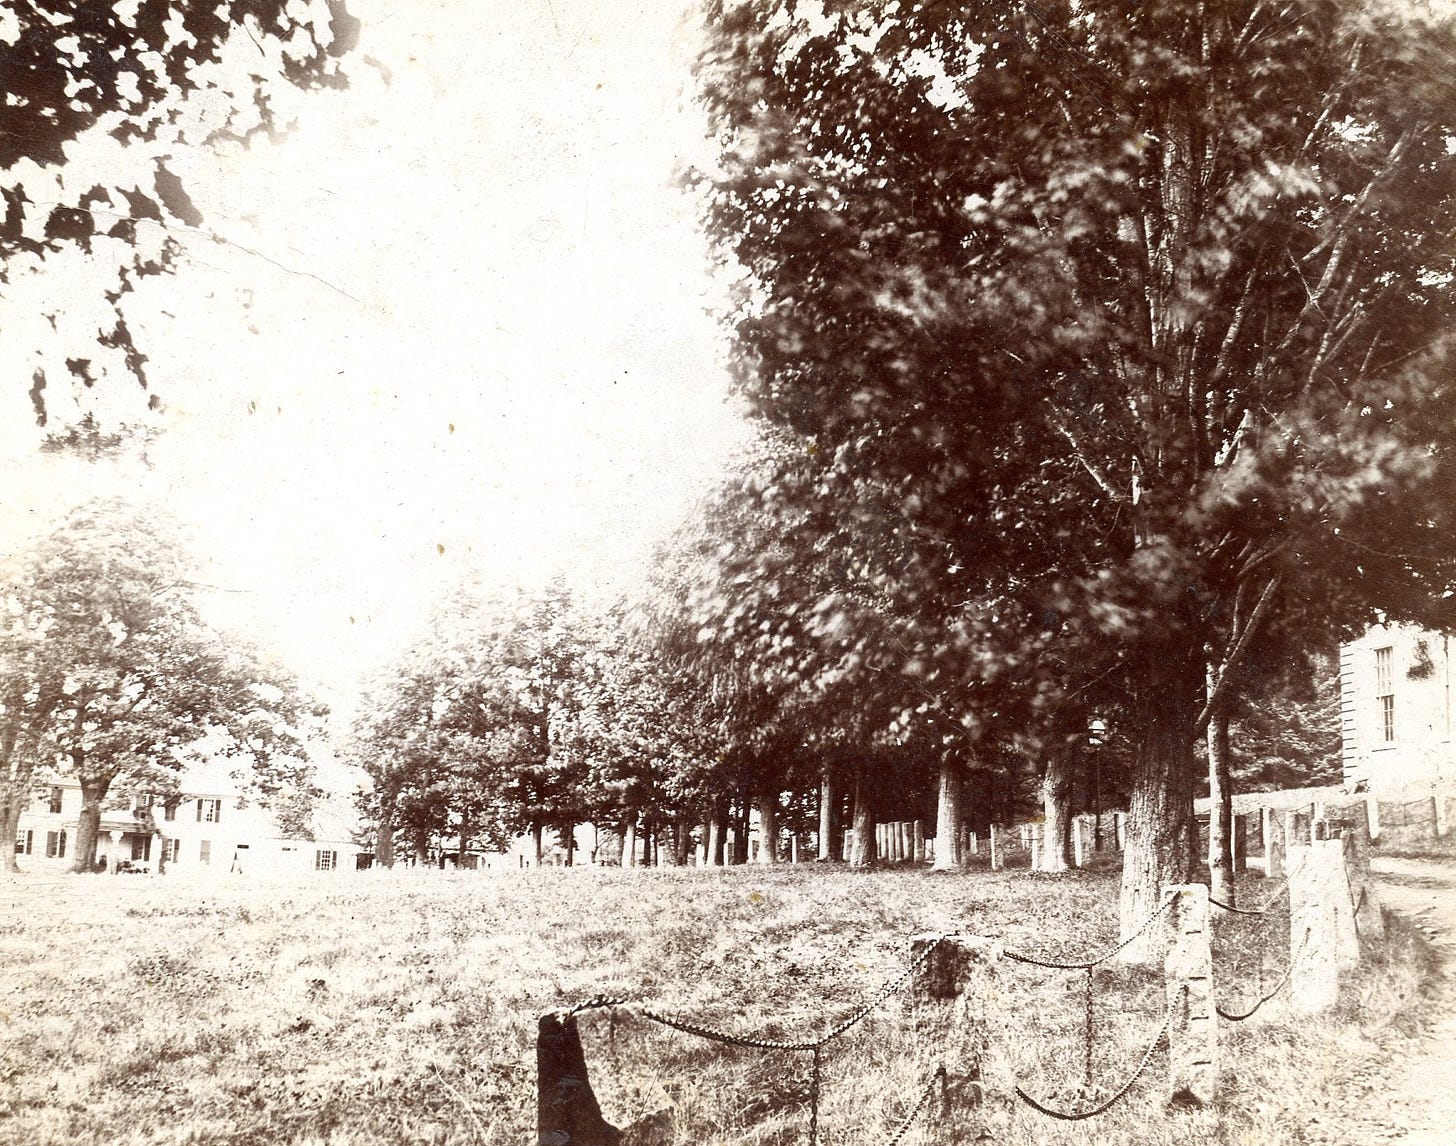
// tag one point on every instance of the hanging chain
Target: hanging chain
(1082, 964)
(814, 1078)
(1142, 1066)
(1087, 1065)
(1263, 998)
(937, 1081)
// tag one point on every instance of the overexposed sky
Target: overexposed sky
(454, 328)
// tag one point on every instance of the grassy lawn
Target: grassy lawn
(402, 1007)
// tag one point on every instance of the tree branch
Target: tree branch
(1219, 692)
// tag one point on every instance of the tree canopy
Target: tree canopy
(1137, 312)
(100, 98)
(109, 676)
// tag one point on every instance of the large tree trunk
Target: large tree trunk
(716, 829)
(720, 834)
(629, 844)
(1056, 797)
(948, 817)
(88, 826)
(1220, 809)
(462, 844)
(1160, 804)
(768, 828)
(384, 832)
(15, 778)
(863, 852)
(10, 808)
(682, 841)
(831, 839)
(740, 834)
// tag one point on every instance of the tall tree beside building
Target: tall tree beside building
(117, 675)
(1137, 308)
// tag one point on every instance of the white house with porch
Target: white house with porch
(208, 827)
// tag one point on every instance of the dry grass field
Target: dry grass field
(401, 1008)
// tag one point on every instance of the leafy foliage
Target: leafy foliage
(110, 674)
(100, 98)
(521, 713)
(1133, 315)
(1286, 729)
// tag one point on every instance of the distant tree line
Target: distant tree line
(761, 676)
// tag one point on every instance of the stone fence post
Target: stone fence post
(567, 1111)
(1322, 935)
(1272, 832)
(1240, 849)
(1188, 981)
(1369, 920)
(949, 1014)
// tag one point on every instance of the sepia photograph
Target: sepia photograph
(727, 572)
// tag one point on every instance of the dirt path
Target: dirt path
(1421, 1099)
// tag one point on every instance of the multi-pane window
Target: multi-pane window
(24, 842)
(209, 811)
(56, 845)
(1385, 692)
(143, 802)
(169, 810)
(141, 848)
(54, 807)
(204, 851)
(325, 860)
(171, 851)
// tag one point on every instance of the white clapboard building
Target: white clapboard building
(209, 827)
(1395, 709)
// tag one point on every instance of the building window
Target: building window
(204, 851)
(143, 802)
(325, 860)
(209, 811)
(141, 848)
(1385, 692)
(24, 842)
(55, 845)
(169, 811)
(171, 851)
(55, 802)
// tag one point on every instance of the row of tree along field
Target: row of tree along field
(535, 713)
(1103, 354)
(1133, 320)
(111, 678)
